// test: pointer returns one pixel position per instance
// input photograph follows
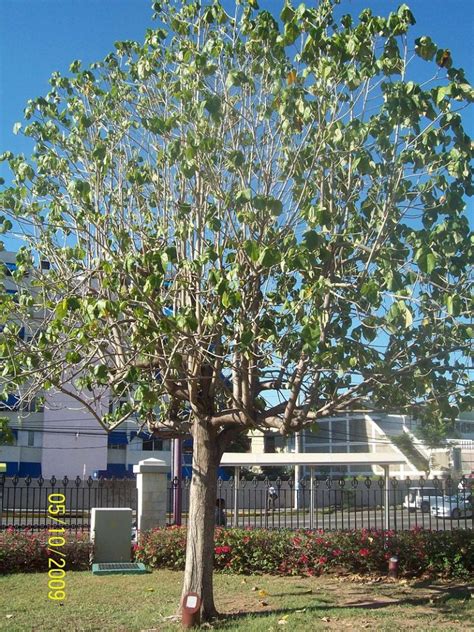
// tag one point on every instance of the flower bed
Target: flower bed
(248, 551)
(24, 551)
(253, 551)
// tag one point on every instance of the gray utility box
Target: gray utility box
(111, 533)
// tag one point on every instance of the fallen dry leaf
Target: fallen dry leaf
(262, 593)
(325, 619)
(264, 603)
(282, 622)
(8, 616)
(171, 617)
(254, 588)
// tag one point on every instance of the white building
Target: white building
(63, 438)
(378, 433)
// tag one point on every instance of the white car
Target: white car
(451, 507)
(422, 498)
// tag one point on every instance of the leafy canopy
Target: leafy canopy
(254, 221)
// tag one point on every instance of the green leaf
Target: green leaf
(408, 317)
(287, 13)
(246, 338)
(99, 152)
(252, 249)
(275, 206)
(61, 309)
(75, 66)
(172, 254)
(234, 78)
(442, 92)
(236, 158)
(243, 196)
(443, 58)
(453, 305)
(225, 300)
(73, 303)
(426, 261)
(101, 371)
(425, 48)
(312, 239)
(269, 257)
(155, 124)
(213, 106)
(370, 290)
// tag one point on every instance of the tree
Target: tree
(6, 435)
(249, 223)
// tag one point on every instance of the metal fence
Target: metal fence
(338, 504)
(329, 504)
(24, 501)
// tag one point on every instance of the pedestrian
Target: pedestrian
(220, 513)
(272, 496)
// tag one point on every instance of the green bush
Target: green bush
(254, 551)
(24, 551)
(250, 551)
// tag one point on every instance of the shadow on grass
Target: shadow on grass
(438, 599)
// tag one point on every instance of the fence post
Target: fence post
(311, 497)
(152, 490)
(236, 496)
(386, 525)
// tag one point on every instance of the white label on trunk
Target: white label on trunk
(191, 601)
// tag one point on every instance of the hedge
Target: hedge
(250, 551)
(255, 551)
(24, 551)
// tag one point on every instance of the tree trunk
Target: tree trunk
(200, 530)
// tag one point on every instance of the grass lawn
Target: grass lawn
(250, 604)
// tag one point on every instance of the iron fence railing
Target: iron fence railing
(329, 504)
(337, 504)
(24, 501)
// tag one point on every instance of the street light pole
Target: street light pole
(177, 480)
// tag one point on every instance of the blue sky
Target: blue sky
(38, 37)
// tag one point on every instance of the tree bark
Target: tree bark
(200, 531)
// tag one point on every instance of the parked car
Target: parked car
(421, 498)
(451, 507)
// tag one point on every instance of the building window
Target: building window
(117, 441)
(269, 444)
(31, 438)
(152, 445)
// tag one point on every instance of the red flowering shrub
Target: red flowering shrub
(24, 551)
(251, 551)
(163, 548)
